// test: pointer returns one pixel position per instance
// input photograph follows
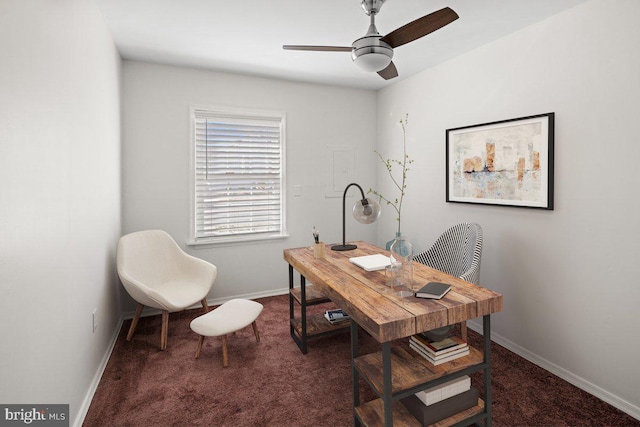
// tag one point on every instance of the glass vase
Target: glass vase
(401, 247)
(390, 242)
(402, 254)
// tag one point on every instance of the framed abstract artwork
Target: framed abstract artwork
(508, 163)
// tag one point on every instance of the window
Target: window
(238, 175)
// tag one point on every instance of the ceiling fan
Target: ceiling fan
(374, 52)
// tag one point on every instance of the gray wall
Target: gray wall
(59, 200)
(568, 276)
(156, 163)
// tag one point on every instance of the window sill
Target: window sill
(229, 241)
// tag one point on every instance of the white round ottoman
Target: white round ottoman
(229, 317)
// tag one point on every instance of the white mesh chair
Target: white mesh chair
(157, 273)
(457, 252)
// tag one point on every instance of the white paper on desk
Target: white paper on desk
(371, 262)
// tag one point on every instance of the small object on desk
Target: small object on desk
(390, 274)
(371, 262)
(318, 246)
(336, 316)
(318, 250)
(433, 290)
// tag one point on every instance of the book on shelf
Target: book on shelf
(336, 316)
(444, 391)
(433, 290)
(438, 355)
(431, 414)
(446, 345)
(445, 358)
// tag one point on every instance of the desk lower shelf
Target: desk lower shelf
(317, 325)
(313, 295)
(410, 369)
(372, 414)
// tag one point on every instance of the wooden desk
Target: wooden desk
(387, 317)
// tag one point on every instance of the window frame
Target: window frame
(243, 114)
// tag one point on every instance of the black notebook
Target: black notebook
(433, 290)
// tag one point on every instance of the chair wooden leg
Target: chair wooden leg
(134, 322)
(200, 341)
(165, 330)
(225, 355)
(255, 331)
(205, 305)
(463, 330)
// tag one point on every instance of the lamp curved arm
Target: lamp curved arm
(344, 195)
(372, 207)
(344, 200)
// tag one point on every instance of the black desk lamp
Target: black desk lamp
(365, 211)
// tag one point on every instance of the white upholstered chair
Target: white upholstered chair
(457, 252)
(157, 273)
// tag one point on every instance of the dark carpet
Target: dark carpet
(271, 383)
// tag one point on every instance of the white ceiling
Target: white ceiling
(246, 36)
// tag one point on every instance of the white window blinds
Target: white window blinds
(238, 175)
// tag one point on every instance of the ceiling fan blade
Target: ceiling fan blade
(389, 72)
(318, 48)
(420, 27)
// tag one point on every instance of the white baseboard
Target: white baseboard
(86, 403)
(148, 311)
(561, 372)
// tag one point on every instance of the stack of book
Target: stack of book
(438, 352)
(440, 402)
(444, 391)
(336, 316)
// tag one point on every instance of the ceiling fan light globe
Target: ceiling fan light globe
(373, 62)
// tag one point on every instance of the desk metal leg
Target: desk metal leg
(486, 331)
(303, 310)
(355, 377)
(291, 314)
(386, 378)
(301, 341)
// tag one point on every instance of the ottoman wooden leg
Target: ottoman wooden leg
(225, 355)
(255, 331)
(200, 341)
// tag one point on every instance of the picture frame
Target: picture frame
(508, 162)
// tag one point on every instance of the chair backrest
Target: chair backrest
(149, 256)
(457, 252)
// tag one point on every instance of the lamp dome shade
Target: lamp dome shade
(366, 211)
